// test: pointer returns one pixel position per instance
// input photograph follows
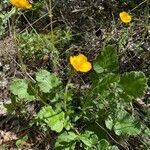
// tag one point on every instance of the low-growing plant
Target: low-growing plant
(85, 118)
(33, 46)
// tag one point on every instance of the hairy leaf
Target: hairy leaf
(108, 60)
(104, 84)
(105, 145)
(19, 87)
(46, 80)
(133, 84)
(66, 141)
(55, 120)
(89, 139)
(124, 124)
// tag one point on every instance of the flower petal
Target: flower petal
(21, 4)
(80, 63)
(81, 58)
(85, 67)
(71, 60)
(125, 17)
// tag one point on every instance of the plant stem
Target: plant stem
(66, 90)
(37, 95)
(54, 52)
(109, 134)
(51, 19)
(49, 9)
(15, 37)
(66, 94)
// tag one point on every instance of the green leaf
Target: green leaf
(147, 131)
(106, 82)
(67, 137)
(46, 80)
(108, 60)
(113, 148)
(109, 123)
(54, 119)
(8, 15)
(89, 138)
(19, 87)
(105, 145)
(20, 141)
(66, 141)
(56, 122)
(124, 124)
(134, 84)
(125, 97)
(101, 134)
(10, 107)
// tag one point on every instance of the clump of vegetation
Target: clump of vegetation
(92, 102)
(35, 46)
(107, 100)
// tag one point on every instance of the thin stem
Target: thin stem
(51, 20)
(109, 134)
(37, 94)
(49, 8)
(15, 37)
(14, 24)
(54, 52)
(146, 20)
(66, 90)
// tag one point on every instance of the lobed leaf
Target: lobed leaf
(134, 84)
(105, 83)
(105, 145)
(89, 138)
(108, 60)
(19, 87)
(124, 124)
(66, 141)
(55, 120)
(46, 80)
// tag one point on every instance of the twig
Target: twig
(138, 5)
(109, 134)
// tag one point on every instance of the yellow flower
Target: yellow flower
(25, 4)
(80, 63)
(125, 17)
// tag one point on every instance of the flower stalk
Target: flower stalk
(66, 89)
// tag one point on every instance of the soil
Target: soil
(91, 21)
